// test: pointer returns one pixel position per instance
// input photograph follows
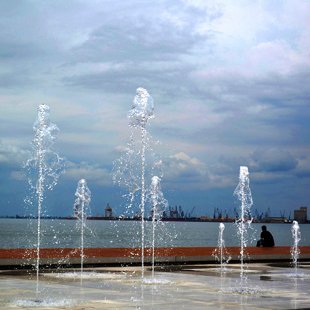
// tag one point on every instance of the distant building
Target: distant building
(275, 219)
(301, 215)
(108, 212)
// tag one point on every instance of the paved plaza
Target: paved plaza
(268, 286)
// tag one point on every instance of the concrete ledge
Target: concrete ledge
(68, 256)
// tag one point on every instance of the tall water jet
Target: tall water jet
(81, 207)
(44, 168)
(243, 193)
(159, 205)
(142, 110)
(220, 252)
(295, 248)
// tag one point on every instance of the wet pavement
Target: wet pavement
(267, 286)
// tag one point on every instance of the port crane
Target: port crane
(190, 214)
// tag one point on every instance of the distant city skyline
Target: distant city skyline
(186, 213)
(229, 81)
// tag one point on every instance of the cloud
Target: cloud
(135, 49)
(137, 41)
(18, 176)
(92, 173)
(12, 155)
(229, 81)
(183, 172)
(274, 160)
(303, 168)
(148, 33)
(275, 56)
(183, 165)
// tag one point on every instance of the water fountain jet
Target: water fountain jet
(81, 206)
(295, 249)
(44, 168)
(243, 193)
(159, 204)
(220, 252)
(142, 110)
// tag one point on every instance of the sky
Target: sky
(229, 79)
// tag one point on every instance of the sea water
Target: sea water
(20, 233)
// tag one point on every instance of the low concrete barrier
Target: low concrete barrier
(108, 256)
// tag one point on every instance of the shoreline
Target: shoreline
(191, 220)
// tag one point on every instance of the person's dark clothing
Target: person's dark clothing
(266, 239)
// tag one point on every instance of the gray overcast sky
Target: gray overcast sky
(230, 82)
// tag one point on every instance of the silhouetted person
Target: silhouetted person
(266, 238)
